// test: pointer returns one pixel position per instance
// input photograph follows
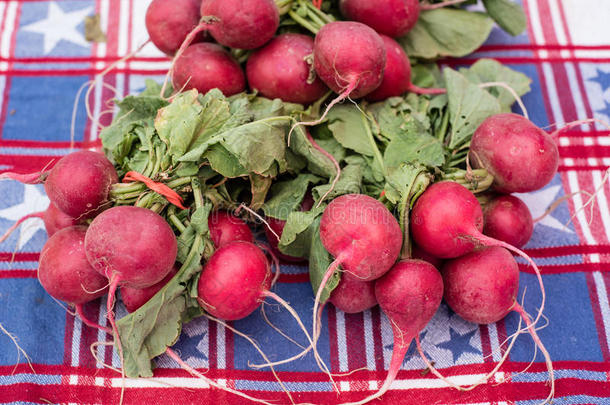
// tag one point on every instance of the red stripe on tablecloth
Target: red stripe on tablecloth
(18, 274)
(333, 345)
(567, 250)
(229, 347)
(584, 151)
(377, 340)
(212, 348)
(354, 337)
(485, 344)
(566, 268)
(19, 257)
(89, 335)
(542, 47)
(597, 315)
(578, 168)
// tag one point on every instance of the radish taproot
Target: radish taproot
(409, 294)
(280, 70)
(168, 22)
(205, 66)
(520, 156)
(65, 272)
(508, 219)
(241, 24)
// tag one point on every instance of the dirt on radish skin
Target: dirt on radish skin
(233, 280)
(226, 228)
(508, 219)
(65, 272)
(241, 24)
(79, 184)
(349, 57)
(168, 22)
(205, 66)
(520, 156)
(279, 70)
(409, 294)
(353, 296)
(390, 17)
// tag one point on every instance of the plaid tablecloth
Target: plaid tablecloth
(45, 59)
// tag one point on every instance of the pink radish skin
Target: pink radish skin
(520, 156)
(134, 298)
(361, 234)
(205, 66)
(390, 17)
(421, 254)
(353, 296)
(241, 24)
(234, 280)
(79, 184)
(350, 58)
(397, 73)
(409, 294)
(55, 219)
(168, 22)
(65, 272)
(226, 228)
(508, 219)
(279, 70)
(446, 221)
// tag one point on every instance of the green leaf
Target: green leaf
(224, 162)
(317, 163)
(149, 331)
(319, 261)
(346, 124)
(508, 14)
(469, 106)
(297, 234)
(489, 70)
(287, 196)
(446, 32)
(349, 182)
(414, 147)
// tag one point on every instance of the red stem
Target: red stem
(27, 178)
(88, 322)
(19, 222)
(430, 91)
(114, 283)
(332, 159)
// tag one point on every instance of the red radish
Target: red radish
(205, 66)
(508, 219)
(350, 58)
(482, 287)
(390, 17)
(397, 74)
(520, 156)
(79, 183)
(55, 219)
(65, 272)
(419, 253)
(353, 296)
(168, 22)
(242, 24)
(409, 294)
(280, 70)
(134, 298)
(226, 228)
(447, 220)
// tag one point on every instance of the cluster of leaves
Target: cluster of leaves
(219, 152)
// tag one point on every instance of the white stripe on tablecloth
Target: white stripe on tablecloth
(387, 339)
(494, 340)
(221, 352)
(604, 306)
(10, 10)
(369, 342)
(602, 200)
(101, 335)
(341, 340)
(76, 336)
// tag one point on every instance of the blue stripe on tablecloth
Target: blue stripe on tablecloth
(35, 151)
(570, 400)
(40, 379)
(273, 386)
(18, 265)
(559, 374)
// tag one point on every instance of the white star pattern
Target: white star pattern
(34, 200)
(60, 25)
(539, 201)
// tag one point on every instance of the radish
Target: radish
(421, 254)
(241, 24)
(55, 219)
(520, 156)
(132, 247)
(168, 22)
(205, 66)
(397, 74)
(409, 294)
(447, 220)
(65, 272)
(134, 298)
(280, 70)
(353, 296)
(390, 17)
(79, 183)
(226, 228)
(508, 219)
(482, 287)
